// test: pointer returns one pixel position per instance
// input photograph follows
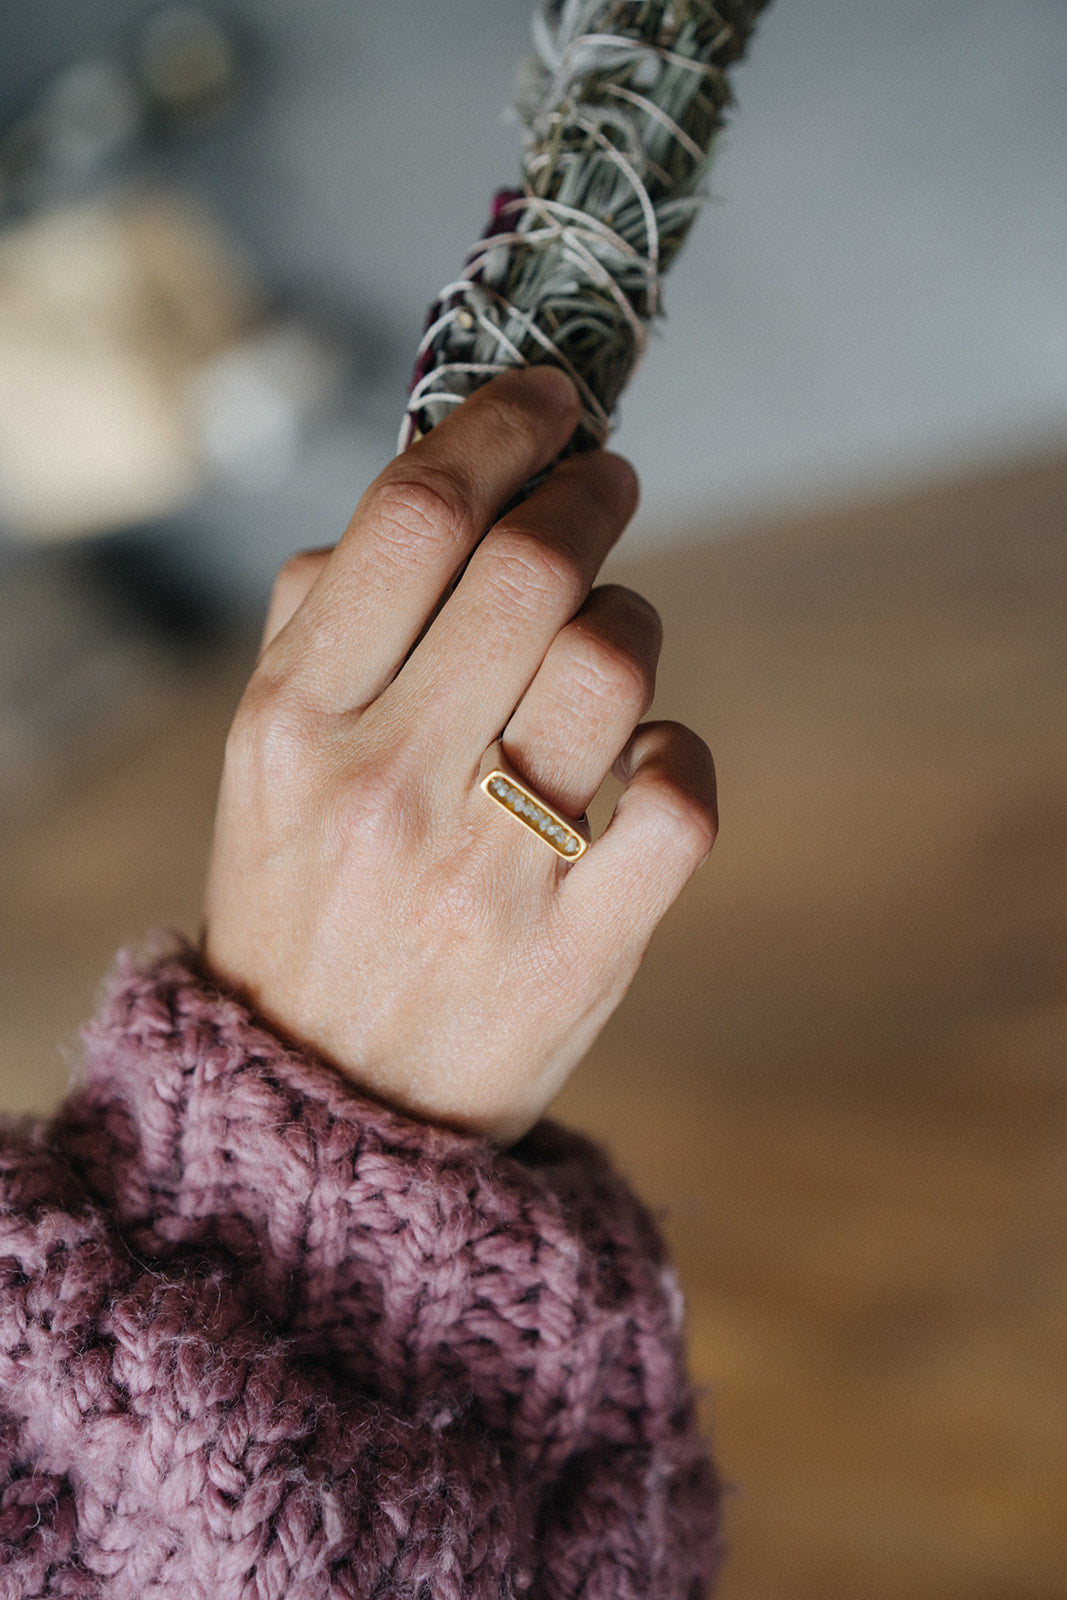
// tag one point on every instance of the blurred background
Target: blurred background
(840, 1076)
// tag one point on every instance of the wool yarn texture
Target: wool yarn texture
(262, 1338)
(621, 106)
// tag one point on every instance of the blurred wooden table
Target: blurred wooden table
(841, 1075)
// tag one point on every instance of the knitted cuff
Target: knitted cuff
(522, 1298)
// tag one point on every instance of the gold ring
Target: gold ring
(529, 809)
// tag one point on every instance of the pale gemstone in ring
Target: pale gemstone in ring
(531, 811)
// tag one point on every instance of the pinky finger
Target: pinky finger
(663, 827)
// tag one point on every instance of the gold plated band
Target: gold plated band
(527, 808)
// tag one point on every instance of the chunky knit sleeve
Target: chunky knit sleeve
(261, 1337)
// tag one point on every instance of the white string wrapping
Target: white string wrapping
(621, 105)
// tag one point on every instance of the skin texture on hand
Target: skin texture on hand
(364, 894)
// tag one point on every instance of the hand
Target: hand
(364, 894)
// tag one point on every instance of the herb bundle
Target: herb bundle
(621, 106)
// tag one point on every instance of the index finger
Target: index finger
(412, 531)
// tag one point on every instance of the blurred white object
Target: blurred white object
(105, 311)
(135, 363)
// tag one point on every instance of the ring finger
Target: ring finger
(593, 687)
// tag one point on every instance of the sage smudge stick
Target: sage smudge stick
(621, 105)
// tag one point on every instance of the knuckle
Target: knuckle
(417, 512)
(382, 807)
(638, 606)
(517, 426)
(371, 797)
(608, 670)
(271, 731)
(529, 570)
(608, 481)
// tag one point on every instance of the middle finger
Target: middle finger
(524, 583)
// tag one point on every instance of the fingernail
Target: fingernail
(552, 386)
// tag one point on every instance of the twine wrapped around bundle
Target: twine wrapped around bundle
(621, 105)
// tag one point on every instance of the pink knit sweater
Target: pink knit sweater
(261, 1338)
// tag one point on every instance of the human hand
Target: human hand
(364, 894)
